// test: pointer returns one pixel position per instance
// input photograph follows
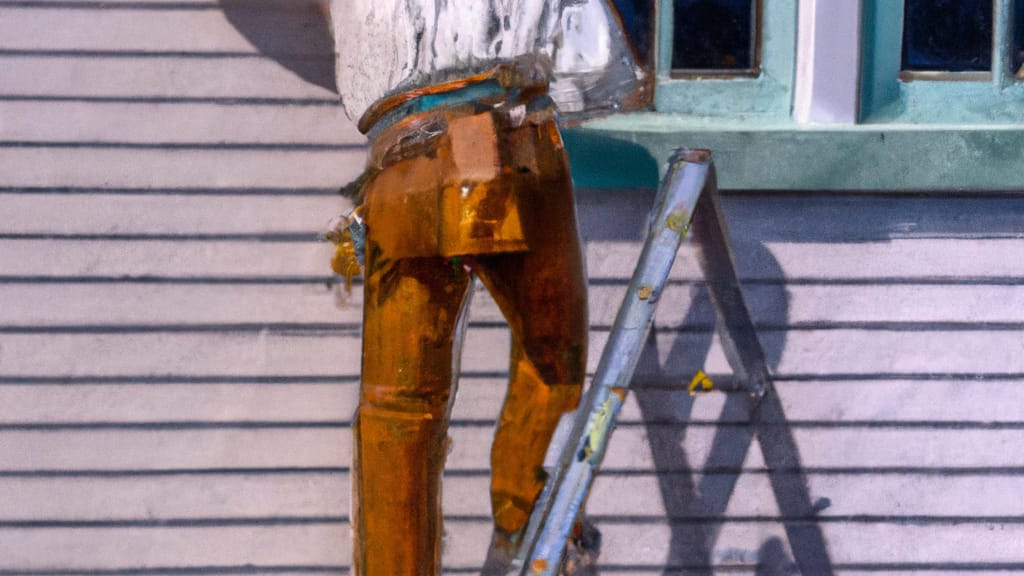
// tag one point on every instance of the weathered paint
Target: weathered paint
(914, 135)
(783, 156)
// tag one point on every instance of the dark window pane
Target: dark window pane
(947, 35)
(714, 35)
(638, 19)
(1018, 36)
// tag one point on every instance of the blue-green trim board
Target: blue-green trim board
(914, 135)
(865, 157)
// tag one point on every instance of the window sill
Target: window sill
(628, 150)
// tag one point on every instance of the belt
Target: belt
(507, 80)
(410, 132)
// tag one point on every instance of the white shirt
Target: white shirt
(388, 46)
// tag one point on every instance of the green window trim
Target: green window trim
(768, 95)
(630, 151)
(914, 135)
(888, 99)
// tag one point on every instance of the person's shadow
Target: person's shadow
(294, 33)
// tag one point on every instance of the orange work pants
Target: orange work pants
(458, 192)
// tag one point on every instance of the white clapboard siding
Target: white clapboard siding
(852, 402)
(184, 79)
(174, 123)
(856, 403)
(132, 304)
(131, 498)
(195, 547)
(187, 31)
(906, 258)
(169, 214)
(167, 258)
(216, 166)
(849, 543)
(170, 403)
(858, 352)
(264, 351)
(808, 305)
(178, 370)
(918, 260)
(820, 447)
(947, 496)
(318, 496)
(315, 302)
(120, 448)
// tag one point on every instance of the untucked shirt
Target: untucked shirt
(387, 46)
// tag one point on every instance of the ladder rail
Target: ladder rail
(688, 194)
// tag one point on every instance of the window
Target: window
(714, 36)
(947, 37)
(838, 95)
(942, 61)
(731, 58)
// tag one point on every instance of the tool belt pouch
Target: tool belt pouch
(443, 188)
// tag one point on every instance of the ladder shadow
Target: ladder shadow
(697, 495)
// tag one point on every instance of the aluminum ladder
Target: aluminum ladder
(687, 195)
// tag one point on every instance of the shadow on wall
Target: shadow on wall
(601, 161)
(697, 494)
(294, 33)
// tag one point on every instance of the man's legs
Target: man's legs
(411, 313)
(542, 294)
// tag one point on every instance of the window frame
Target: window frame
(697, 73)
(809, 136)
(890, 94)
(766, 93)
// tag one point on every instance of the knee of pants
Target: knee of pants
(566, 396)
(562, 385)
(427, 403)
(558, 362)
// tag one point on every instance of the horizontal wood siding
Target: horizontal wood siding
(178, 370)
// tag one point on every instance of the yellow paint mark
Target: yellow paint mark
(700, 383)
(596, 438)
(539, 566)
(678, 222)
(644, 292)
